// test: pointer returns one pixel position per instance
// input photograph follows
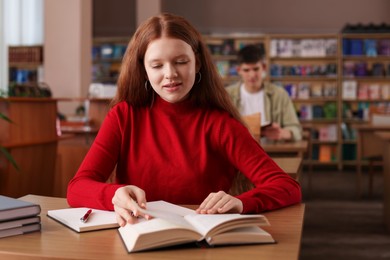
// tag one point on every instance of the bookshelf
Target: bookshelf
(317, 70)
(25, 65)
(365, 84)
(307, 66)
(107, 54)
(224, 48)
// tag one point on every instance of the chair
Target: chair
(253, 123)
(376, 120)
(240, 182)
(370, 148)
(307, 135)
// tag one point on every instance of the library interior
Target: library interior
(59, 66)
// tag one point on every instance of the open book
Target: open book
(174, 225)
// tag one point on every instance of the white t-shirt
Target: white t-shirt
(252, 103)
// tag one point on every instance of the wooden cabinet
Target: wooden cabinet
(32, 141)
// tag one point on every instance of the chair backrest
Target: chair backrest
(253, 122)
(241, 183)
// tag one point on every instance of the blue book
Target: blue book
(357, 47)
(11, 208)
(370, 47)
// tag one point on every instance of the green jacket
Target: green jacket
(283, 111)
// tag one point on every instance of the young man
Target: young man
(252, 95)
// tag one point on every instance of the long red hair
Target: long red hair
(209, 92)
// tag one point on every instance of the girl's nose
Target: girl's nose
(170, 72)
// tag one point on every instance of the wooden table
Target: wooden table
(368, 145)
(57, 241)
(291, 165)
(385, 137)
(283, 149)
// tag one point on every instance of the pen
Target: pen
(86, 216)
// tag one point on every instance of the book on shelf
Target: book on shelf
(291, 90)
(374, 91)
(316, 90)
(345, 131)
(349, 89)
(362, 91)
(223, 67)
(98, 219)
(174, 225)
(385, 91)
(11, 209)
(306, 112)
(329, 133)
(325, 153)
(303, 91)
(329, 90)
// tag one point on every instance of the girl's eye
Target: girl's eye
(156, 66)
(181, 62)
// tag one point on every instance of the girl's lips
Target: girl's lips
(171, 85)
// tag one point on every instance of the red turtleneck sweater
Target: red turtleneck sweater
(178, 153)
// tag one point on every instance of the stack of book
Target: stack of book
(18, 217)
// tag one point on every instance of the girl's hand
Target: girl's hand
(128, 203)
(220, 202)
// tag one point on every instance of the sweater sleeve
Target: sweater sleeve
(290, 119)
(89, 187)
(273, 187)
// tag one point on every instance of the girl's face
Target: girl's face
(171, 67)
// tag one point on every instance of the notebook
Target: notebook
(97, 220)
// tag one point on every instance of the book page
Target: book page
(155, 233)
(244, 235)
(164, 206)
(169, 212)
(209, 225)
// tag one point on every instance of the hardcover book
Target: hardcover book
(20, 230)
(173, 225)
(11, 209)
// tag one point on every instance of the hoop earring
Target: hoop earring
(200, 77)
(146, 85)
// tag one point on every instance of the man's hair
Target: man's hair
(251, 54)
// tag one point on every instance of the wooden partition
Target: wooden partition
(32, 141)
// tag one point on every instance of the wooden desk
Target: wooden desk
(385, 136)
(283, 149)
(291, 165)
(57, 241)
(368, 145)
